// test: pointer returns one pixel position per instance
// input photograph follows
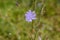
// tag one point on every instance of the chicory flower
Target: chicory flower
(30, 15)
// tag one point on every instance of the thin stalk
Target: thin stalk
(34, 8)
(32, 28)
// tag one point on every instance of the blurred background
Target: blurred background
(13, 25)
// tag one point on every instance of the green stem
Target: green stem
(32, 28)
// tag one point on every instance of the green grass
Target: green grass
(13, 25)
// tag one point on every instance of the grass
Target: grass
(13, 25)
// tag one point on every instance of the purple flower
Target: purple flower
(30, 15)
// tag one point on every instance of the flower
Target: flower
(30, 15)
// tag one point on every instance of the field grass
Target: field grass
(13, 25)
